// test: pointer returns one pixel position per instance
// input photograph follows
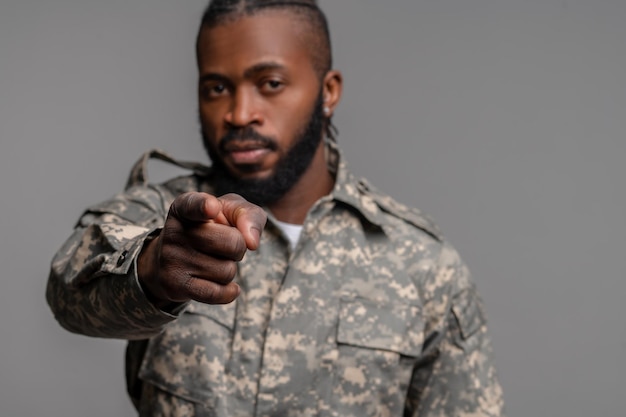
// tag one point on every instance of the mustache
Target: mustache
(248, 135)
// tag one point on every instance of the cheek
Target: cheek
(290, 116)
(210, 122)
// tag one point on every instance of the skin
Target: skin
(195, 256)
(255, 72)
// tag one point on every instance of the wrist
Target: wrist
(147, 273)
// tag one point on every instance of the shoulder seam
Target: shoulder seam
(408, 214)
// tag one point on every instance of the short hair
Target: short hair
(223, 11)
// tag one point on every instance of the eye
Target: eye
(212, 91)
(272, 86)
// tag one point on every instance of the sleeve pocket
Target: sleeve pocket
(468, 310)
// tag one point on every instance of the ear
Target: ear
(333, 87)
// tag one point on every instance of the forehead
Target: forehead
(274, 35)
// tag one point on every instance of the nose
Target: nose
(243, 109)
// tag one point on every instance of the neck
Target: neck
(315, 183)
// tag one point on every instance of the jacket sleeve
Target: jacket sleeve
(457, 375)
(93, 288)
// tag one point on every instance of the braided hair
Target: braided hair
(224, 11)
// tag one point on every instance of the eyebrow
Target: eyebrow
(248, 73)
(262, 67)
(212, 76)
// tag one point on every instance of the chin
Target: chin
(250, 172)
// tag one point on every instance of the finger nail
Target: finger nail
(256, 233)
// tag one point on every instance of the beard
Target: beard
(288, 169)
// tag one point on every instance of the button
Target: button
(363, 186)
(122, 258)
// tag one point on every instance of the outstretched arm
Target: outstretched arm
(94, 286)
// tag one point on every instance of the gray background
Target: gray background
(502, 119)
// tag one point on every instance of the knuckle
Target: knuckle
(169, 255)
(190, 206)
(178, 203)
(186, 205)
(228, 242)
(172, 227)
(184, 286)
(223, 271)
(232, 197)
(209, 292)
(239, 247)
(230, 270)
(218, 294)
(188, 284)
(239, 212)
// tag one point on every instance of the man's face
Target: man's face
(260, 103)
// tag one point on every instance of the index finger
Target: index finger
(248, 218)
(196, 207)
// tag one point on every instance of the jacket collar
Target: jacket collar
(351, 190)
(376, 207)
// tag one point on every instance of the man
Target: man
(345, 303)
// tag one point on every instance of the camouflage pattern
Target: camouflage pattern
(372, 314)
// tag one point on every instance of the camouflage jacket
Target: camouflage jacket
(372, 314)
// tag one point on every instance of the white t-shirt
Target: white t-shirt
(291, 231)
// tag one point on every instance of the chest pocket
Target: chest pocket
(388, 327)
(188, 358)
(376, 350)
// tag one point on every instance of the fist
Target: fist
(195, 256)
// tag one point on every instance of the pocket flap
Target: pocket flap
(222, 314)
(397, 328)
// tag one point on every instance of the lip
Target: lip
(246, 153)
(251, 156)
